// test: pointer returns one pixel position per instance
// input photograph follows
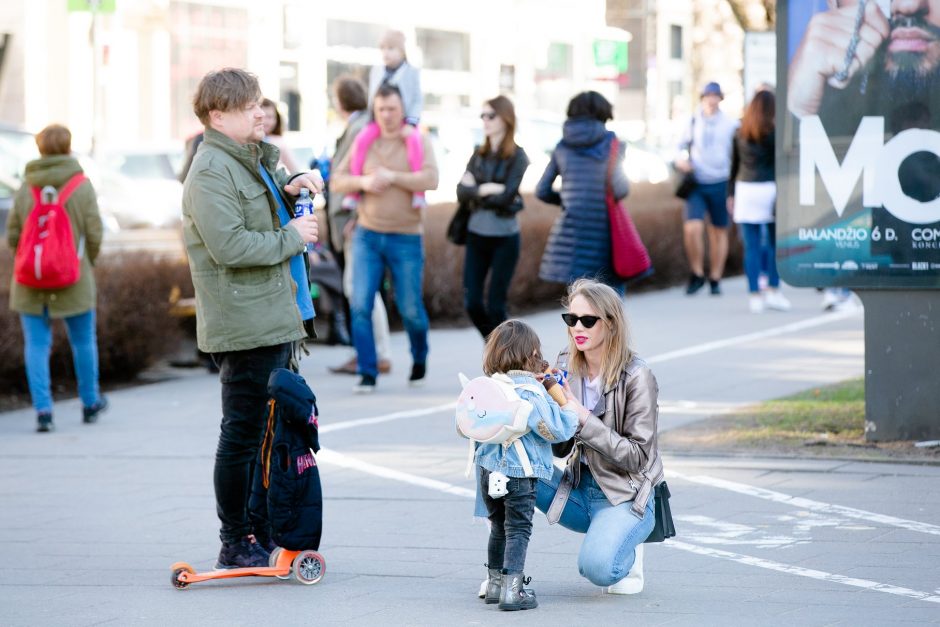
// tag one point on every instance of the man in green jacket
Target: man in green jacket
(246, 255)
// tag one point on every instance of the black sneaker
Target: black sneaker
(418, 371)
(44, 422)
(696, 282)
(246, 553)
(90, 414)
(715, 287)
(366, 385)
(266, 543)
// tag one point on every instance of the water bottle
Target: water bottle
(303, 207)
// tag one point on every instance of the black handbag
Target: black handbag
(664, 526)
(457, 228)
(686, 185)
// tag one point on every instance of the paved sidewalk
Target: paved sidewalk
(91, 517)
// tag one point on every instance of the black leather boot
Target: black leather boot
(512, 596)
(339, 333)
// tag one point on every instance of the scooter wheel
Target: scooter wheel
(179, 585)
(272, 561)
(309, 567)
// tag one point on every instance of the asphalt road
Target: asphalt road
(91, 517)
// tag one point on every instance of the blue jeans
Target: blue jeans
(244, 377)
(760, 249)
(403, 255)
(496, 257)
(37, 333)
(611, 533)
(510, 521)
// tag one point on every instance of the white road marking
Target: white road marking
(804, 572)
(698, 349)
(398, 415)
(803, 503)
(344, 461)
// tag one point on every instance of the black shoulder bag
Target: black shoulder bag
(687, 182)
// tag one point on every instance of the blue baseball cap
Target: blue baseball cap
(713, 88)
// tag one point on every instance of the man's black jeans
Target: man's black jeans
(244, 376)
(496, 256)
(510, 522)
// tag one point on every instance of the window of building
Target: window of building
(559, 62)
(355, 34)
(444, 50)
(675, 42)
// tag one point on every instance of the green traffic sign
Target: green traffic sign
(98, 6)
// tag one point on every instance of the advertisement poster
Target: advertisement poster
(858, 143)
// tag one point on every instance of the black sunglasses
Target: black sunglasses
(487, 116)
(587, 321)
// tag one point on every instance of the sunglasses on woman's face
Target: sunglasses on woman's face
(586, 321)
(487, 116)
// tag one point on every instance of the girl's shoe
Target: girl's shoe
(491, 587)
(755, 303)
(633, 582)
(512, 596)
(776, 301)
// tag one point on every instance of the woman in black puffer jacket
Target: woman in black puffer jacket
(579, 243)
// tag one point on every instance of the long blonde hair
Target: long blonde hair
(607, 305)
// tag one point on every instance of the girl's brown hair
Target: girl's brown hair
(758, 120)
(267, 103)
(502, 106)
(607, 305)
(513, 345)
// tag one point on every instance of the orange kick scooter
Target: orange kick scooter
(306, 567)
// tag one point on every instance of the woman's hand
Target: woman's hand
(491, 189)
(467, 179)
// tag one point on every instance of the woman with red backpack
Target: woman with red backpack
(55, 229)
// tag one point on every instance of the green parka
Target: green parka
(239, 253)
(82, 209)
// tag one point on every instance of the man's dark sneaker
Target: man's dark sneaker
(44, 422)
(417, 375)
(90, 414)
(246, 553)
(696, 282)
(266, 543)
(366, 385)
(715, 287)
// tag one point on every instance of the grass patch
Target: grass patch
(825, 421)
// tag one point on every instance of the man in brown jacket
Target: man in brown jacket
(388, 235)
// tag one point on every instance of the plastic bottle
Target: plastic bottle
(304, 206)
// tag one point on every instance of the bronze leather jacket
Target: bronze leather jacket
(619, 440)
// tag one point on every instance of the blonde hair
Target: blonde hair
(513, 345)
(607, 305)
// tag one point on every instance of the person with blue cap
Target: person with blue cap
(705, 151)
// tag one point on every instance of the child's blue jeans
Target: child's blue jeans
(510, 521)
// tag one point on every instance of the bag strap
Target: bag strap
(70, 186)
(611, 161)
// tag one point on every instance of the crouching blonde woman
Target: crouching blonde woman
(613, 464)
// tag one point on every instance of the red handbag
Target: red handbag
(630, 258)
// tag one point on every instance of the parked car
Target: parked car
(139, 185)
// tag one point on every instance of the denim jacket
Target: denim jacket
(548, 423)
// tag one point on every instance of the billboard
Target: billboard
(858, 143)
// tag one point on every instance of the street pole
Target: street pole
(95, 72)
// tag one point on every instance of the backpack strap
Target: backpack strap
(70, 187)
(523, 458)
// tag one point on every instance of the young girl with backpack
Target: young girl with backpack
(507, 478)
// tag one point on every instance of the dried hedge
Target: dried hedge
(134, 327)
(658, 215)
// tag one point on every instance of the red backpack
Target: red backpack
(46, 257)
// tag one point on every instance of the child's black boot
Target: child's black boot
(512, 596)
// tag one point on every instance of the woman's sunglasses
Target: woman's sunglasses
(586, 321)
(487, 116)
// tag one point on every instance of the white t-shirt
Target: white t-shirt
(590, 395)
